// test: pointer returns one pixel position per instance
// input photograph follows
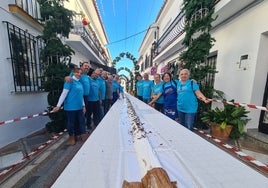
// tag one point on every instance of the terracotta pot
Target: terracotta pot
(218, 132)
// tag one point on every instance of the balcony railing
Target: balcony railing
(31, 7)
(175, 30)
(90, 40)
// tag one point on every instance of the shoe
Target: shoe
(78, 138)
(84, 137)
(71, 140)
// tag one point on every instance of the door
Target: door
(263, 124)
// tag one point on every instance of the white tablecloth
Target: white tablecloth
(108, 157)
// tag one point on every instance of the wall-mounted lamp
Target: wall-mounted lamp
(243, 64)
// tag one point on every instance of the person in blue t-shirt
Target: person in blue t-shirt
(170, 96)
(147, 88)
(188, 92)
(116, 92)
(139, 86)
(74, 106)
(109, 94)
(94, 100)
(84, 79)
(102, 78)
(121, 90)
(157, 97)
(85, 82)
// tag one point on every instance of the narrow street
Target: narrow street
(42, 169)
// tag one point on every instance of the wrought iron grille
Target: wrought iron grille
(211, 62)
(24, 51)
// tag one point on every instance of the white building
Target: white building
(239, 52)
(20, 71)
(88, 36)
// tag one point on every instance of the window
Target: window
(210, 77)
(146, 61)
(31, 7)
(24, 51)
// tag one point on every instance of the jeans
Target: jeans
(75, 122)
(187, 119)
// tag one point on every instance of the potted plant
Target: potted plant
(228, 122)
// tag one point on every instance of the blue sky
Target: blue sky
(125, 18)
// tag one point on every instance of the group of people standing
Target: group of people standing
(86, 98)
(176, 98)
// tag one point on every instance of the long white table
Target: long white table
(109, 156)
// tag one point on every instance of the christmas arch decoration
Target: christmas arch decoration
(128, 70)
(129, 56)
(128, 80)
(122, 76)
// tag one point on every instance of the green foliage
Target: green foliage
(58, 20)
(59, 122)
(122, 55)
(197, 38)
(55, 47)
(198, 42)
(55, 74)
(230, 115)
(133, 59)
(57, 23)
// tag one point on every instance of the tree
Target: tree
(56, 56)
(198, 42)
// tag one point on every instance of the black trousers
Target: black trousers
(93, 112)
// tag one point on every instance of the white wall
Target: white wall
(243, 35)
(16, 105)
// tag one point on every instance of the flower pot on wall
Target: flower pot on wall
(218, 132)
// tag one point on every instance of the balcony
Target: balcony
(164, 44)
(29, 14)
(169, 43)
(85, 41)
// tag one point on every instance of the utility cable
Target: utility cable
(127, 37)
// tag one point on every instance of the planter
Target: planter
(218, 132)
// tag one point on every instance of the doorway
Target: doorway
(263, 124)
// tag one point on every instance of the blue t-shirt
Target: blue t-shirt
(102, 87)
(74, 98)
(94, 90)
(147, 89)
(115, 86)
(121, 89)
(85, 82)
(170, 94)
(187, 101)
(139, 87)
(158, 88)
